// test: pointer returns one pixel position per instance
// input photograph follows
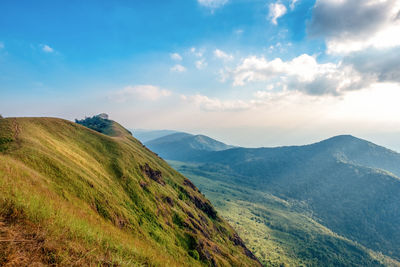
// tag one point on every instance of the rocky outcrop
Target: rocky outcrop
(155, 175)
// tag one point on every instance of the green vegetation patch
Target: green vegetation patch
(7, 134)
(98, 124)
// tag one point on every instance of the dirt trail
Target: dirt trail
(17, 130)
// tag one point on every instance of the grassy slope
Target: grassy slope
(72, 196)
(277, 231)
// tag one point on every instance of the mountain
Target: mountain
(184, 146)
(329, 203)
(72, 196)
(147, 135)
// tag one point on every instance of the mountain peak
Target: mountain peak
(183, 145)
(345, 141)
(343, 137)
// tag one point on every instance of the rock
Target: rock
(155, 175)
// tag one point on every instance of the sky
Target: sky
(246, 72)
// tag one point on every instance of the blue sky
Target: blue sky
(253, 73)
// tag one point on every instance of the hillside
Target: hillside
(72, 196)
(316, 203)
(183, 146)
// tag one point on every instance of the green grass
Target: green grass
(277, 231)
(81, 198)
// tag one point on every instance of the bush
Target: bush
(194, 254)
(96, 123)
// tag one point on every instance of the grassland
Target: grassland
(71, 196)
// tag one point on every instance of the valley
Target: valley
(307, 205)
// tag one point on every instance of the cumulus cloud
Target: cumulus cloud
(302, 74)
(141, 92)
(354, 25)
(212, 3)
(201, 64)
(276, 10)
(222, 55)
(47, 49)
(380, 65)
(178, 68)
(176, 56)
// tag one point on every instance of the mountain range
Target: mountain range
(335, 202)
(89, 193)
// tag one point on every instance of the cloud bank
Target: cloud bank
(302, 73)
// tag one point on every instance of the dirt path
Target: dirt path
(17, 130)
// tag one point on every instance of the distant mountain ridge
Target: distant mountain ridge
(349, 185)
(343, 147)
(147, 135)
(181, 146)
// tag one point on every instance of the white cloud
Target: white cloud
(293, 4)
(178, 68)
(276, 10)
(201, 64)
(239, 31)
(47, 49)
(223, 75)
(196, 52)
(355, 25)
(213, 104)
(222, 55)
(302, 74)
(212, 3)
(176, 56)
(142, 92)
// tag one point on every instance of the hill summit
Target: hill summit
(183, 146)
